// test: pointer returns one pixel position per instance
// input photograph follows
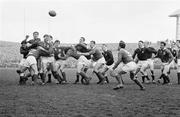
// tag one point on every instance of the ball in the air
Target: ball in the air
(52, 13)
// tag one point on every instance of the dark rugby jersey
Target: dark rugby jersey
(73, 53)
(165, 55)
(96, 54)
(34, 42)
(151, 51)
(60, 51)
(24, 51)
(38, 52)
(83, 48)
(143, 53)
(108, 57)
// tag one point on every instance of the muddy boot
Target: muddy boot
(43, 78)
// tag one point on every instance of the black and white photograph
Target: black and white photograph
(89, 58)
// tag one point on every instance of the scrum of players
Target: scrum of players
(44, 59)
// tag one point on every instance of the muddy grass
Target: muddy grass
(87, 101)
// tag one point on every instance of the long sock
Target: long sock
(49, 77)
(107, 80)
(102, 77)
(167, 79)
(98, 76)
(146, 76)
(143, 79)
(178, 78)
(77, 78)
(34, 77)
(57, 76)
(164, 79)
(43, 77)
(64, 76)
(138, 83)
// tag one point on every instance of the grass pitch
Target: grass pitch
(93, 100)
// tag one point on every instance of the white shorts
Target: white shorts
(22, 62)
(129, 67)
(59, 64)
(83, 60)
(30, 60)
(100, 61)
(166, 67)
(45, 62)
(151, 63)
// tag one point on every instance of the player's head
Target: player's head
(173, 44)
(122, 44)
(146, 44)
(46, 38)
(56, 43)
(140, 44)
(82, 40)
(104, 47)
(162, 44)
(35, 34)
(24, 44)
(92, 43)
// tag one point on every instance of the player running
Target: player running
(141, 53)
(167, 61)
(150, 61)
(109, 61)
(123, 65)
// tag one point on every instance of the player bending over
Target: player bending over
(123, 65)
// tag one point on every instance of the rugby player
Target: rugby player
(178, 60)
(109, 61)
(167, 62)
(97, 61)
(141, 53)
(123, 65)
(150, 61)
(31, 62)
(82, 47)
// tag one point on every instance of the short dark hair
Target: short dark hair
(162, 42)
(93, 41)
(141, 41)
(122, 44)
(83, 38)
(35, 32)
(56, 41)
(46, 35)
(104, 45)
(51, 36)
